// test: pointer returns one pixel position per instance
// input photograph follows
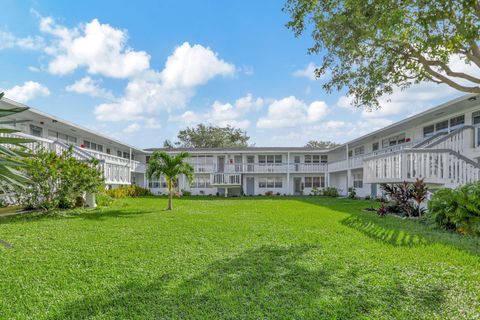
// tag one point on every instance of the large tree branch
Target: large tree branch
(427, 64)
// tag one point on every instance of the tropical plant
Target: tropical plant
(12, 152)
(318, 144)
(352, 193)
(58, 180)
(373, 47)
(406, 198)
(457, 209)
(169, 166)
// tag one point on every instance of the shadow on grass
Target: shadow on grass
(269, 282)
(391, 230)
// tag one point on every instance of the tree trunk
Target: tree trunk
(170, 194)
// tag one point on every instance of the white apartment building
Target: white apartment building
(441, 145)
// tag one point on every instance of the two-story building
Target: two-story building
(440, 145)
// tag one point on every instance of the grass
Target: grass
(261, 258)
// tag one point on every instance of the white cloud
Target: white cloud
(309, 72)
(152, 123)
(134, 127)
(190, 66)
(29, 90)
(225, 114)
(98, 47)
(168, 90)
(290, 112)
(89, 86)
(9, 41)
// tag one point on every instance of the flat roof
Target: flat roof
(243, 149)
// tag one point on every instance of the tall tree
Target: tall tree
(372, 47)
(170, 166)
(204, 136)
(321, 144)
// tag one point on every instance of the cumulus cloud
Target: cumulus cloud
(89, 86)
(98, 47)
(28, 91)
(290, 112)
(224, 114)
(190, 66)
(168, 90)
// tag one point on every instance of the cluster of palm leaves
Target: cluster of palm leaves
(169, 166)
(12, 150)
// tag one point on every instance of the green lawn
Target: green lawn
(252, 258)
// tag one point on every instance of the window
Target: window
(375, 146)
(442, 125)
(476, 117)
(359, 150)
(86, 144)
(100, 147)
(314, 182)
(270, 159)
(358, 180)
(308, 182)
(324, 159)
(201, 182)
(36, 131)
(401, 138)
(385, 143)
(270, 182)
(457, 121)
(309, 158)
(119, 153)
(125, 155)
(428, 130)
(350, 153)
(93, 146)
(108, 150)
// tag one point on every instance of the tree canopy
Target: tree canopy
(209, 136)
(373, 47)
(321, 144)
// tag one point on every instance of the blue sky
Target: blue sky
(141, 70)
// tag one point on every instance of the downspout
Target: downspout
(348, 170)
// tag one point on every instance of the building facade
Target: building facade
(440, 145)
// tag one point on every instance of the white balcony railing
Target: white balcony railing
(440, 166)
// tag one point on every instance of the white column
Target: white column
(288, 173)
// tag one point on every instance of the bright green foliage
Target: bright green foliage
(12, 150)
(171, 167)
(372, 47)
(131, 191)
(244, 258)
(204, 136)
(458, 209)
(58, 180)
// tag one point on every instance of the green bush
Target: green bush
(352, 193)
(131, 191)
(103, 199)
(457, 209)
(58, 181)
(186, 193)
(330, 192)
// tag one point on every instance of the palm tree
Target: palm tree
(11, 152)
(161, 163)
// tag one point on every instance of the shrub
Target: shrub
(186, 193)
(131, 191)
(406, 198)
(269, 193)
(352, 193)
(330, 192)
(457, 209)
(58, 181)
(103, 199)
(315, 191)
(382, 211)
